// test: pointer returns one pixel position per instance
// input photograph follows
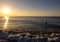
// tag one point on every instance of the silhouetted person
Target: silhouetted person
(46, 22)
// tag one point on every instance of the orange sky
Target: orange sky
(32, 14)
(31, 7)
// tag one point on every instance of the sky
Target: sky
(32, 7)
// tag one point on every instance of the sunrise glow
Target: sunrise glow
(6, 10)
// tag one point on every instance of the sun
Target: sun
(6, 10)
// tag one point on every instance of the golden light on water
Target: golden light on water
(6, 22)
(6, 12)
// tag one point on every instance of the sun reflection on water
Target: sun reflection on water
(6, 22)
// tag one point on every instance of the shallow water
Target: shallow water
(30, 23)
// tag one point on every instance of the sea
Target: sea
(30, 23)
